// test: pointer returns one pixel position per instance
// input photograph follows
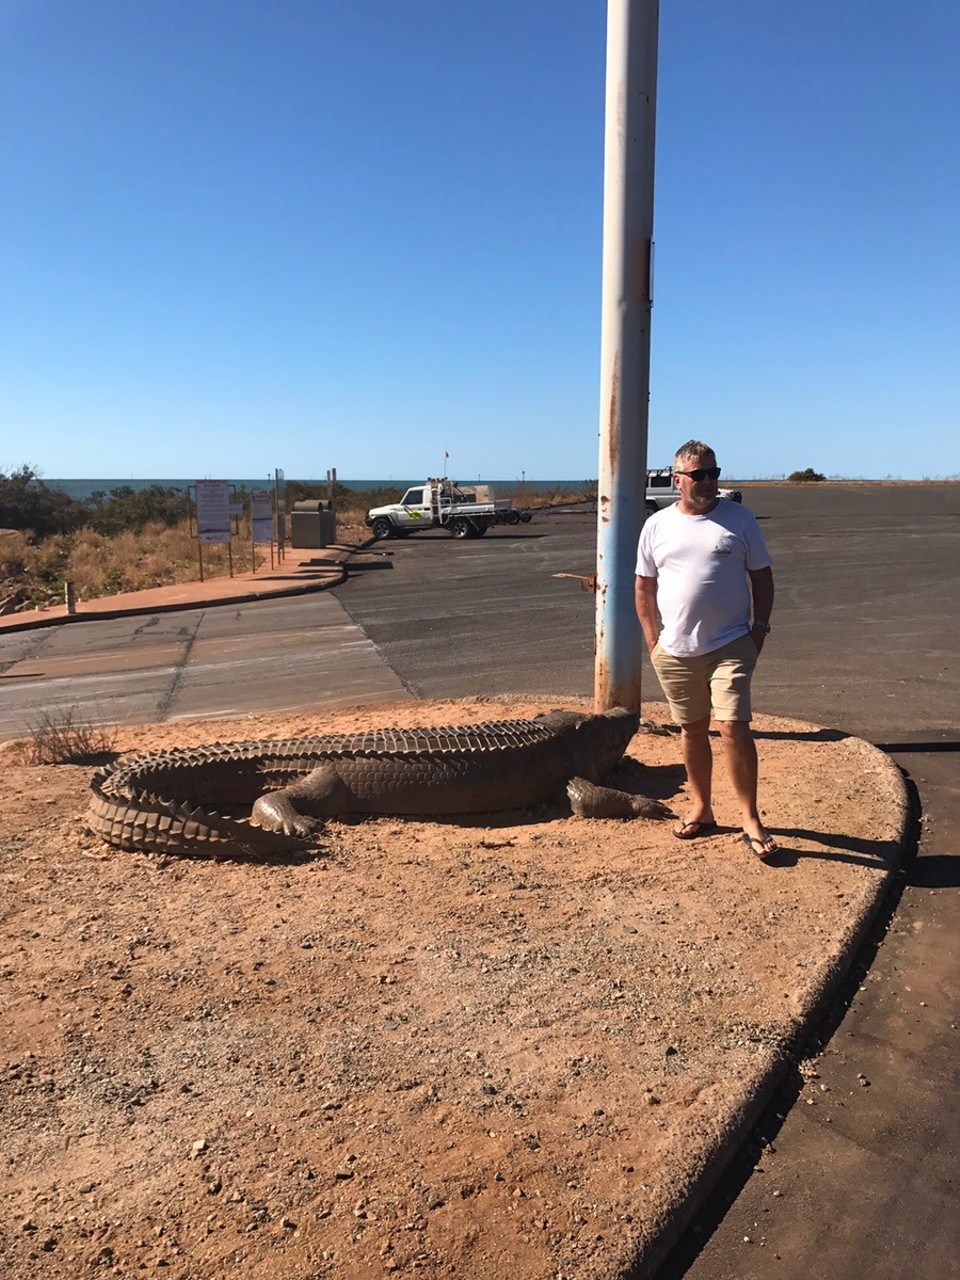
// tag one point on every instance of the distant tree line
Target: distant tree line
(29, 504)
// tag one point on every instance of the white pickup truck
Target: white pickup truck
(438, 504)
(662, 492)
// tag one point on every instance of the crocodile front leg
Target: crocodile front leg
(294, 810)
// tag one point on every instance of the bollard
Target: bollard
(71, 597)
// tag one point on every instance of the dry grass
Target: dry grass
(62, 737)
(35, 573)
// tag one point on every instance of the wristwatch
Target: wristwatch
(764, 626)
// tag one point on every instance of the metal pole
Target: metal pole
(631, 95)
(191, 496)
(281, 513)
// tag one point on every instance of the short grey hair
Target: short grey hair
(692, 451)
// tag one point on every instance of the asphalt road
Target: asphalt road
(865, 626)
(226, 661)
(866, 636)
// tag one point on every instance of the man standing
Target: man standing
(704, 565)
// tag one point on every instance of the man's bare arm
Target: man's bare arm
(646, 596)
(761, 585)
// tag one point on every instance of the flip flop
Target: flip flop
(764, 849)
(690, 830)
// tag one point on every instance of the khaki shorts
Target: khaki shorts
(717, 681)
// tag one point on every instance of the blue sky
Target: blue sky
(245, 234)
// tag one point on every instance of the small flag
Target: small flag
(445, 454)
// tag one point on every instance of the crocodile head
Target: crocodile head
(596, 742)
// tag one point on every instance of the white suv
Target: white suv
(662, 492)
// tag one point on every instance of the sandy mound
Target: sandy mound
(497, 1048)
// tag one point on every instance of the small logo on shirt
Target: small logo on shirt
(725, 547)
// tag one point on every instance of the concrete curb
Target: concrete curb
(102, 615)
(704, 1181)
(336, 579)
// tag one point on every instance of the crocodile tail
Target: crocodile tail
(151, 824)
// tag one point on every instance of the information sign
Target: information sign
(261, 516)
(213, 511)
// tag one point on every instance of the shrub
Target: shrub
(26, 503)
(129, 509)
(14, 549)
(62, 737)
(807, 476)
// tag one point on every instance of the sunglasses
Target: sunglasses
(701, 473)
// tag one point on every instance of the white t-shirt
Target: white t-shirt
(701, 563)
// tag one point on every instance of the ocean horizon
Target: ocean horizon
(80, 489)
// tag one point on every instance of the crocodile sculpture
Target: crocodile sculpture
(192, 798)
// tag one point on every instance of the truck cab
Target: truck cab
(661, 491)
(413, 511)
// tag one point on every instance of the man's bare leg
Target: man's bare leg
(740, 754)
(698, 762)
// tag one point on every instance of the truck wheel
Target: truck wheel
(526, 517)
(513, 517)
(460, 528)
(652, 508)
(382, 528)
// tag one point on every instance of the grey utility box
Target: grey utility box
(312, 524)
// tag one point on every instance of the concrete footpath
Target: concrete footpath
(297, 573)
(862, 1192)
